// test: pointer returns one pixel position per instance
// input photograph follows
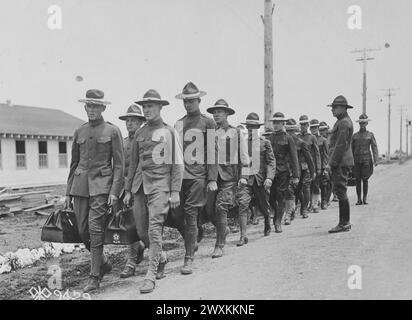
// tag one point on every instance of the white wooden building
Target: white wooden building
(35, 145)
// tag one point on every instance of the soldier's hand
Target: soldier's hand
(314, 176)
(295, 181)
(242, 182)
(267, 184)
(68, 203)
(112, 200)
(127, 198)
(174, 199)
(212, 186)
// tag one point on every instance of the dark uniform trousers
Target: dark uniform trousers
(193, 197)
(304, 186)
(91, 214)
(279, 192)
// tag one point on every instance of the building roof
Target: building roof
(17, 119)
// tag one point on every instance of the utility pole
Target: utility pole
(407, 136)
(268, 71)
(365, 58)
(389, 95)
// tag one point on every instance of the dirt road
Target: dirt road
(304, 262)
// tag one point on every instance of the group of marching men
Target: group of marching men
(294, 163)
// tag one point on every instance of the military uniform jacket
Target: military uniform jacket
(340, 151)
(304, 156)
(192, 129)
(312, 143)
(285, 152)
(97, 162)
(264, 154)
(233, 162)
(155, 160)
(362, 142)
(323, 150)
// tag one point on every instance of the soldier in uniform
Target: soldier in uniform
(95, 180)
(199, 176)
(326, 181)
(134, 119)
(306, 171)
(341, 159)
(154, 178)
(310, 189)
(233, 162)
(362, 142)
(287, 167)
(323, 151)
(263, 168)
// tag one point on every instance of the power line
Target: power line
(365, 58)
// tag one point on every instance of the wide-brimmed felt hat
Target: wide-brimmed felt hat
(190, 91)
(95, 96)
(252, 119)
(133, 111)
(221, 104)
(314, 123)
(152, 96)
(291, 124)
(323, 125)
(340, 101)
(303, 119)
(278, 116)
(363, 118)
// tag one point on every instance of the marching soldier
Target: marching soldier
(134, 119)
(311, 187)
(154, 178)
(306, 171)
(95, 180)
(263, 165)
(362, 142)
(341, 159)
(199, 176)
(326, 181)
(323, 151)
(231, 171)
(287, 167)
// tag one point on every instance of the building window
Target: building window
(21, 154)
(62, 154)
(43, 163)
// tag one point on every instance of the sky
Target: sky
(126, 47)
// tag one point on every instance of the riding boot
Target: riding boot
(267, 228)
(344, 212)
(243, 229)
(358, 191)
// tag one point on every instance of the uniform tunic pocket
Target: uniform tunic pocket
(103, 144)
